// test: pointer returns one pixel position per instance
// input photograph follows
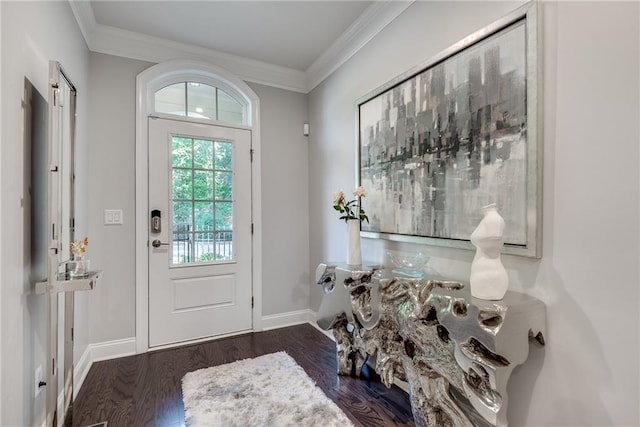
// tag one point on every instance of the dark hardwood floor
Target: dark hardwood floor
(145, 390)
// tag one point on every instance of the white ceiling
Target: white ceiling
(290, 34)
(293, 44)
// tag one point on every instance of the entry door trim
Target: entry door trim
(146, 83)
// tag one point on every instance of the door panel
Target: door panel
(203, 292)
(200, 259)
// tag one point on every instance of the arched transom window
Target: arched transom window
(200, 100)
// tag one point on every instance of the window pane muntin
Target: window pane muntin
(203, 154)
(224, 185)
(203, 216)
(223, 212)
(181, 243)
(229, 109)
(201, 100)
(181, 151)
(182, 184)
(171, 99)
(223, 155)
(223, 245)
(199, 243)
(204, 247)
(203, 185)
(227, 117)
(182, 216)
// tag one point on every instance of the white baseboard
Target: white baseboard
(113, 349)
(281, 320)
(81, 369)
(60, 403)
(314, 323)
(97, 352)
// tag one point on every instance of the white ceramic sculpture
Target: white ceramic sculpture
(489, 280)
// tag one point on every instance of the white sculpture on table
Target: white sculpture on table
(489, 280)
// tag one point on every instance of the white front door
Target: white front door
(200, 258)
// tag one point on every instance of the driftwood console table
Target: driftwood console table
(456, 352)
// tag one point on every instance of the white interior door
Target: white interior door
(200, 258)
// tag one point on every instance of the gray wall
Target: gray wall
(285, 203)
(588, 276)
(112, 182)
(32, 34)
(112, 86)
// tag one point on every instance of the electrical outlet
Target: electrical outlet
(39, 378)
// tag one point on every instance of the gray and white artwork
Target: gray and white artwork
(441, 144)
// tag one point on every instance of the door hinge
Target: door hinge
(252, 229)
(71, 334)
(251, 302)
(251, 153)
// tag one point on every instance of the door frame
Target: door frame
(147, 83)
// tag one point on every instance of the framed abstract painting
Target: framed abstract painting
(454, 134)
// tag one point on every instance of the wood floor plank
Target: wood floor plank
(143, 391)
(146, 389)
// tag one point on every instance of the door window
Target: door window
(202, 200)
(199, 100)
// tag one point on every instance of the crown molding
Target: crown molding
(85, 18)
(114, 41)
(129, 44)
(373, 20)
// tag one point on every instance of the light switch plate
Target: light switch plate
(113, 217)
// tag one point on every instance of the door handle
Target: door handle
(157, 243)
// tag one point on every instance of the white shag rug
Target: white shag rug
(267, 391)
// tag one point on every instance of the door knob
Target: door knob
(157, 243)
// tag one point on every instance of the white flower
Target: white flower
(350, 209)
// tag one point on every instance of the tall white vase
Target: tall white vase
(489, 280)
(354, 254)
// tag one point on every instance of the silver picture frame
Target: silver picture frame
(454, 133)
